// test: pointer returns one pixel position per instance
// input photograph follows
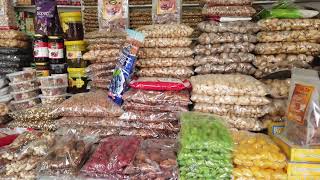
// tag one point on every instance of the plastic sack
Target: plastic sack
(205, 147)
(177, 52)
(99, 54)
(48, 125)
(148, 117)
(211, 49)
(279, 88)
(226, 37)
(94, 104)
(7, 17)
(166, 13)
(289, 36)
(13, 43)
(166, 31)
(244, 123)
(303, 108)
(242, 68)
(173, 72)
(248, 173)
(111, 157)
(242, 11)
(113, 16)
(105, 34)
(236, 100)
(233, 27)
(288, 48)
(227, 84)
(103, 46)
(224, 58)
(128, 106)
(160, 84)
(281, 59)
(167, 42)
(101, 66)
(165, 62)
(38, 113)
(158, 97)
(288, 24)
(155, 158)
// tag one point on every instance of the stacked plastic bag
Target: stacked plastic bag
(286, 43)
(240, 99)
(89, 16)
(205, 148)
(104, 48)
(166, 51)
(5, 95)
(256, 156)
(140, 16)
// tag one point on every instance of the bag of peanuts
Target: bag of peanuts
(228, 2)
(153, 108)
(244, 123)
(173, 72)
(226, 37)
(279, 88)
(211, 49)
(166, 31)
(289, 36)
(176, 52)
(224, 58)
(242, 68)
(288, 48)
(232, 27)
(167, 42)
(148, 117)
(165, 62)
(220, 11)
(288, 24)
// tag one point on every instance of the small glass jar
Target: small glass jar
(40, 48)
(56, 49)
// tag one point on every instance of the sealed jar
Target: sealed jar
(75, 51)
(42, 69)
(58, 68)
(40, 48)
(77, 80)
(56, 49)
(72, 25)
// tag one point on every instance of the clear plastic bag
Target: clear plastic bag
(288, 48)
(13, 34)
(212, 49)
(226, 37)
(95, 104)
(165, 62)
(160, 84)
(302, 122)
(106, 40)
(7, 17)
(13, 43)
(14, 51)
(234, 110)
(22, 169)
(128, 106)
(164, 12)
(48, 125)
(279, 88)
(228, 84)
(166, 31)
(242, 68)
(38, 113)
(243, 123)
(149, 117)
(233, 27)
(173, 72)
(288, 24)
(224, 58)
(289, 36)
(278, 107)
(105, 34)
(281, 59)
(103, 46)
(243, 11)
(228, 2)
(101, 66)
(4, 110)
(104, 59)
(157, 97)
(238, 100)
(167, 42)
(99, 54)
(248, 173)
(177, 52)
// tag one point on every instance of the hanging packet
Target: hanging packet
(7, 15)
(125, 66)
(166, 11)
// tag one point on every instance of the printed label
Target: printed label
(74, 55)
(55, 50)
(299, 103)
(42, 73)
(167, 7)
(112, 10)
(40, 49)
(75, 78)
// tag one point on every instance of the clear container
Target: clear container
(5, 99)
(54, 81)
(72, 25)
(24, 86)
(75, 51)
(53, 100)
(4, 91)
(54, 91)
(19, 96)
(20, 76)
(24, 104)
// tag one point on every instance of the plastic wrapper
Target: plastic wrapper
(228, 2)
(105, 34)
(160, 84)
(223, 84)
(233, 27)
(242, 68)
(57, 80)
(166, 31)
(104, 40)
(288, 24)
(238, 100)
(226, 37)
(288, 48)
(10, 59)
(278, 107)
(211, 49)
(289, 36)
(249, 173)
(13, 51)
(66, 157)
(158, 97)
(89, 104)
(13, 34)
(101, 84)
(54, 91)
(22, 76)
(24, 86)
(167, 42)
(155, 158)
(23, 95)
(113, 16)
(205, 147)
(279, 88)
(148, 116)
(153, 108)
(40, 125)
(235, 110)
(302, 124)
(243, 11)
(262, 61)
(164, 13)
(7, 18)
(165, 62)
(101, 74)
(103, 59)
(244, 123)
(101, 66)
(38, 113)
(173, 72)
(23, 169)
(177, 52)
(103, 46)
(12, 43)
(99, 54)
(224, 58)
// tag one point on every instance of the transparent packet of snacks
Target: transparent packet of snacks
(166, 31)
(242, 68)
(228, 2)
(160, 84)
(229, 11)
(233, 27)
(163, 13)
(303, 108)
(173, 72)
(148, 117)
(165, 62)
(225, 58)
(154, 108)
(113, 16)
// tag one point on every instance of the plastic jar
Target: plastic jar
(72, 25)
(75, 50)
(77, 80)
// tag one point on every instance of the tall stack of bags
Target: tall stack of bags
(239, 99)
(104, 48)
(286, 43)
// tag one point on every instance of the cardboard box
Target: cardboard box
(297, 153)
(303, 177)
(275, 128)
(303, 169)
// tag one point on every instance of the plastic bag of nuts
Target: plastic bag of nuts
(238, 100)
(233, 27)
(148, 117)
(105, 34)
(288, 24)
(38, 113)
(165, 62)
(167, 15)
(224, 58)
(288, 48)
(101, 66)
(165, 52)
(211, 49)
(289, 36)
(243, 11)
(106, 41)
(40, 125)
(98, 54)
(173, 72)
(228, 2)
(13, 43)
(167, 42)
(153, 108)
(268, 60)
(103, 59)
(279, 88)
(13, 34)
(103, 46)
(226, 37)
(166, 31)
(243, 68)
(241, 123)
